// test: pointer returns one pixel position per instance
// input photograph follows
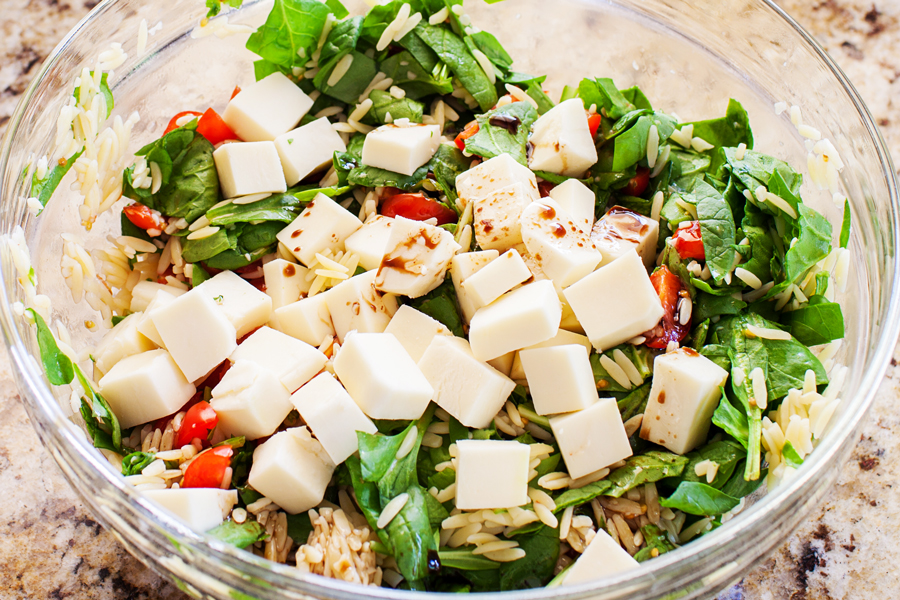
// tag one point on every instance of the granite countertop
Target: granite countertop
(52, 547)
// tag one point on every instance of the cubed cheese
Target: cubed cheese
(249, 168)
(285, 281)
(621, 230)
(592, 438)
(323, 224)
(683, 397)
(602, 558)
(576, 199)
(463, 266)
(470, 390)
(568, 320)
(145, 387)
(416, 258)
(562, 140)
(525, 316)
(307, 149)
(370, 242)
(145, 325)
(560, 378)
(504, 362)
(245, 306)
(415, 330)
(334, 418)
(401, 149)
(491, 474)
(196, 332)
(355, 304)
(125, 339)
(145, 291)
(200, 508)
(492, 175)
(496, 216)
(496, 278)
(292, 469)
(250, 401)
(615, 303)
(562, 338)
(294, 362)
(307, 319)
(563, 250)
(264, 110)
(381, 377)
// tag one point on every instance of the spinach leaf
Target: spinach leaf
(136, 462)
(353, 83)
(725, 453)
(277, 207)
(236, 259)
(491, 140)
(411, 536)
(631, 146)
(761, 248)
(716, 229)
(374, 177)
(730, 130)
(845, 226)
(259, 236)
(215, 6)
(463, 559)
(607, 97)
(657, 539)
(635, 402)
(791, 457)
(99, 419)
(292, 29)
(43, 189)
(636, 97)
(408, 74)
(533, 87)
(305, 193)
(239, 534)
(491, 47)
(819, 322)
(379, 463)
(738, 487)
(813, 244)
(699, 499)
(731, 420)
(399, 108)
(605, 383)
(756, 169)
(57, 365)
(196, 250)
(708, 305)
(454, 53)
(788, 361)
(579, 496)
(535, 569)
(645, 468)
(446, 164)
(341, 39)
(377, 20)
(263, 68)
(299, 527)
(440, 304)
(367, 497)
(132, 230)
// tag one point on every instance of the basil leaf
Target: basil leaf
(291, 29)
(491, 140)
(731, 130)
(453, 52)
(239, 534)
(57, 365)
(699, 499)
(277, 207)
(819, 322)
(383, 103)
(441, 305)
(845, 226)
(43, 189)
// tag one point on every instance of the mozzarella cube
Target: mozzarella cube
(245, 306)
(370, 242)
(592, 438)
(250, 401)
(124, 340)
(560, 378)
(496, 217)
(467, 388)
(285, 281)
(293, 469)
(416, 258)
(576, 199)
(264, 110)
(522, 317)
(621, 230)
(307, 319)
(415, 330)
(334, 418)
(249, 168)
(562, 140)
(401, 149)
(307, 149)
(491, 474)
(683, 397)
(355, 304)
(495, 174)
(145, 291)
(381, 377)
(496, 278)
(200, 508)
(145, 325)
(294, 362)
(145, 387)
(563, 250)
(463, 266)
(602, 558)
(323, 224)
(562, 338)
(503, 363)
(615, 303)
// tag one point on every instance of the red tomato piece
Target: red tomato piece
(638, 183)
(470, 130)
(237, 90)
(198, 422)
(688, 242)
(594, 123)
(669, 288)
(213, 128)
(173, 124)
(144, 217)
(208, 469)
(417, 207)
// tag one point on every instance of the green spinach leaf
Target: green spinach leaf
(290, 33)
(535, 569)
(440, 304)
(239, 534)
(454, 53)
(699, 499)
(384, 104)
(57, 366)
(819, 322)
(492, 140)
(730, 130)
(43, 189)
(277, 207)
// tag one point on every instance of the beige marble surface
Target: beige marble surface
(52, 548)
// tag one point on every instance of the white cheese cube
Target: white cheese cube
(562, 338)
(123, 340)
(307, 149)
(416, 258)
(264, 110)
(200, 508)
(145, 291)
(568, 320)
(285, 281)
(493, 175)
(683, 396)
(381, 377)
(355, 304)
(307, 319)
(562, 140)
(334, 418)
(415, 330)
(145, 325)
(496, 217)
(245, 306)
(615, 303)
(496, 278)
(463, 266)
(503, 363)
(294, 362)
(370, 242)
(491, 474)
(560, 378)
(196, 332)
(621, 230)
(470, 390)
(522, 317)
(401, 149)
(563, 250)
(145, 387)
(250, 401)
(576, 199)
(323, 224)
(249, 168)
(602, 558)
(293, 469)
(592, 438)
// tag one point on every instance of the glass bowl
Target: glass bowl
(689, 57)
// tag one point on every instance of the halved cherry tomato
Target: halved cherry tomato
(470, 130)
(173, 123)
(669, 288)
(594, 123)
(213, 128)
(208, 469)
(144, 217)
(638, 183)
(198, 422)
(688, 242)
(417, 207)
(237, 90)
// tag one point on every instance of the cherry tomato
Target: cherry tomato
(688, 242)
(237, 90)
(197, 423)
(173, 124)
(208, 469)
(594, 123)
(418, 208)
(213, 128)
(470, 130)
(669, 288)
(144, 216)
(638, 183)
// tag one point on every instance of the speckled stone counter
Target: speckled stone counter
(52, 548)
